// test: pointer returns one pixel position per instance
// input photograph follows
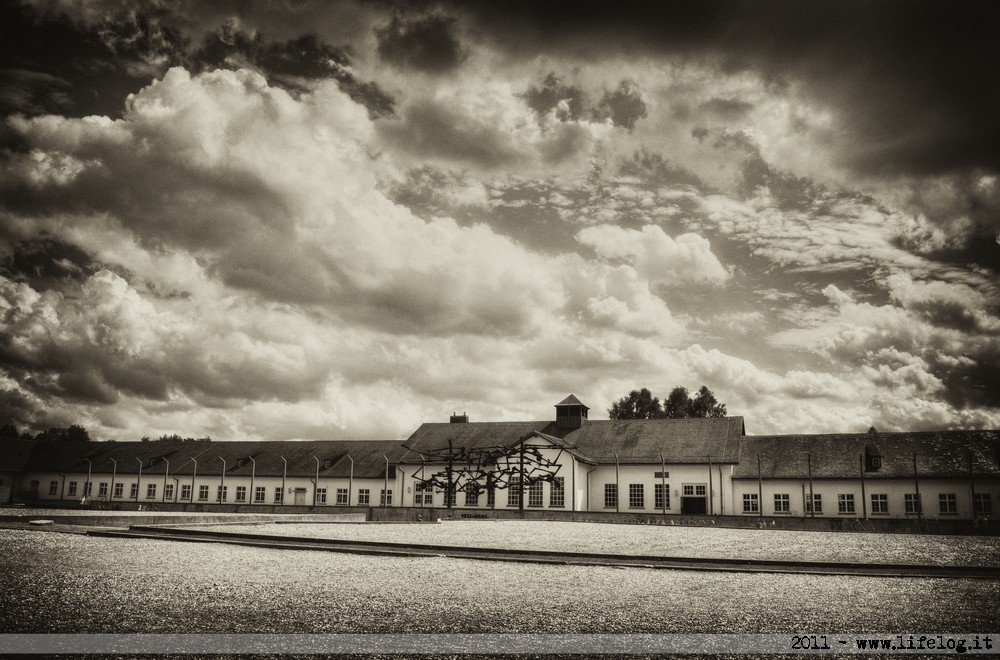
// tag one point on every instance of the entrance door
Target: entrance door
(695, 506)
(300, 496)
(694, 500)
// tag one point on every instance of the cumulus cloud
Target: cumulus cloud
(659, 258)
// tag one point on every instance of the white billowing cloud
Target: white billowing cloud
(255, 269)
(656, 256)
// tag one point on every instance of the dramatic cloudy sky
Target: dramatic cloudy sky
(337, 220)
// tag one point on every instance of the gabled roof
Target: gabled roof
(207, 457)
(14, 454)
(633, 440)
(643, 440)
(433, 436)
(939, 454)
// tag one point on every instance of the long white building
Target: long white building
(668, 467)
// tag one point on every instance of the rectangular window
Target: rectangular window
(202, 493)
(781, 503)
(88, 488)
(364, 497)
(342, 496)
(880, 503)
(119, 489)
(911, 503)
(514, 492)
(948, 503)
(279, 495)
(557, 493)
(53, 488)
(133, 490)
(423, 494)
(102, 489)
(845, 503)
(636, 496)
(321, 496)
(472, 495)
(72, 488)
(750, 503)
(610, 496)
(535, 494)
(688, 489)
(661, 475)
(150, 491)
(661, 496)
(491, 497)
(451, 496)
(982, 504)
(186, 492)
(241, 493)
(817, 503)
(221, 493)
(168, 492)
(259, 494)
(694, 490)
(385, 497)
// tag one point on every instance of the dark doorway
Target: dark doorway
(695, 506)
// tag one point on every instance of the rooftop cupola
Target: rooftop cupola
(570, 413)
(460, 419)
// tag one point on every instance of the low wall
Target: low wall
(881, 525)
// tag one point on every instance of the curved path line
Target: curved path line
(553, 557)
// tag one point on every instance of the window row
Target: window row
(982, 504)
(637, 495)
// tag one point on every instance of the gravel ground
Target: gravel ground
(664, 541)
(68, 583)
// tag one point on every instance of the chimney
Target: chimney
(459, 419)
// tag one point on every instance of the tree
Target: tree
(872, 429)
(8, 432)
(641, 404)
(638, 404)
(678, 403)
(74, 433)
(706, 405)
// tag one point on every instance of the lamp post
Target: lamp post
(138, 483)
(222, 485)
(385, 488)
(114, 473)
(253, 473)
(284, 477)
(166, 473)
(86, 486)
(350, 480)
(316, 482)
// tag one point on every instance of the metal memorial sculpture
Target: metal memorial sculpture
(487, 469)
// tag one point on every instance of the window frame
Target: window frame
(610, 496)
(557, 493)
(637, 496)
(751, 503)
(782, 503)
(880, 503)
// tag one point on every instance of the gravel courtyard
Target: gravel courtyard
(70, 583)
(661, 540)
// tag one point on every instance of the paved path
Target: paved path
(547, 557)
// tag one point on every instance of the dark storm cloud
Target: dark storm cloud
(915, 81)
(552, 91)
(726, 109)
(623, 106)
(47, 263)
(430, 128)
(654, 168)
(427, 44)
(291, 64)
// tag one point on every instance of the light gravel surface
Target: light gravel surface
(68, 583)
(673, 541)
